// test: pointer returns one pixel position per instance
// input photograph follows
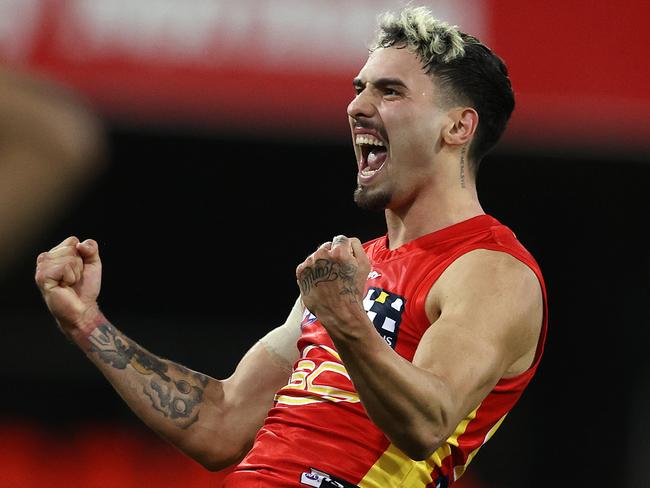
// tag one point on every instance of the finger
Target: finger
(69, 277)
(340, 240)
(89, 251)
(325, 245)
(358, 252)
(70, 241)
(62, 251)
(71, 269)
(299, 270)
(66, 248)
(321, 251)
(341, 247)
(78, 268)
(60, 273)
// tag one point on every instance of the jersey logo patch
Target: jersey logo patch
(385, 311)
(320, 479)
(311, 479)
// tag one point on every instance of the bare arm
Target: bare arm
(487, 309)
(213, 421)
(50, 145)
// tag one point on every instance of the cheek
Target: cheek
(425, 133)
(414, 132)
(414, 147)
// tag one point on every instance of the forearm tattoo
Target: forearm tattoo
(173, 390)
(325, 270)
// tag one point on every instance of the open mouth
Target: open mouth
(373, 154)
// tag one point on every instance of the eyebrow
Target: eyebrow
(379, 82)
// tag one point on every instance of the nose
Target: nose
(361, 106)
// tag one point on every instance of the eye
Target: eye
(390, 92)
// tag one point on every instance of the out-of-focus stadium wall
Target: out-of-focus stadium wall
(579, 68)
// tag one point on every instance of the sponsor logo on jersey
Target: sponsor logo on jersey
(320, 479)
(311, 479)
(385, 311)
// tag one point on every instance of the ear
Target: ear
(463, 122)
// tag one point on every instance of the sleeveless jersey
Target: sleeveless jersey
(318, 429)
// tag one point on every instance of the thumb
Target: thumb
(89, 251)
(358, 252)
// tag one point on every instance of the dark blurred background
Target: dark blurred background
(225, 165)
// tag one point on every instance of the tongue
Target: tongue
(376, 158)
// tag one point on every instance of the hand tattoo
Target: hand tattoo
(325, 270)
(176, 393)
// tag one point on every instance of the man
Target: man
(411, 348)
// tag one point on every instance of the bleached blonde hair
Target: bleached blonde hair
(431, 38)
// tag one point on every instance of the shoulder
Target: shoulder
(489, 287)
(492, 269)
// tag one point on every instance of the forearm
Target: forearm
(183, 406)
(410, 405)
(413, 410)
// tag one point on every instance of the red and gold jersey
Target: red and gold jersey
(318, 430)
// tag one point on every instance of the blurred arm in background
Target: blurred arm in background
(50, 146)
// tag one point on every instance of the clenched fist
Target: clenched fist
(69, 278)
(333, 279)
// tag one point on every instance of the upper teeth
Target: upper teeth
(368, 139)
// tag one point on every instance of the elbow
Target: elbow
(423, 436)
(215, 465)
(430, 427)
(209, 452)
(420, 445)
(218, 460)
(215, 456)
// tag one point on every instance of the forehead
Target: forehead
(392, 62)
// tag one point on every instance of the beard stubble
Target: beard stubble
(375, 201)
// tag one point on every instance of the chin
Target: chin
(367, 199)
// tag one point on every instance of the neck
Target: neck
(430, 211)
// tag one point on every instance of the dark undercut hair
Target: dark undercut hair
(466, 71)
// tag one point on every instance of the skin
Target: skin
(51, 145)
(213, 421)
(485, 310)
